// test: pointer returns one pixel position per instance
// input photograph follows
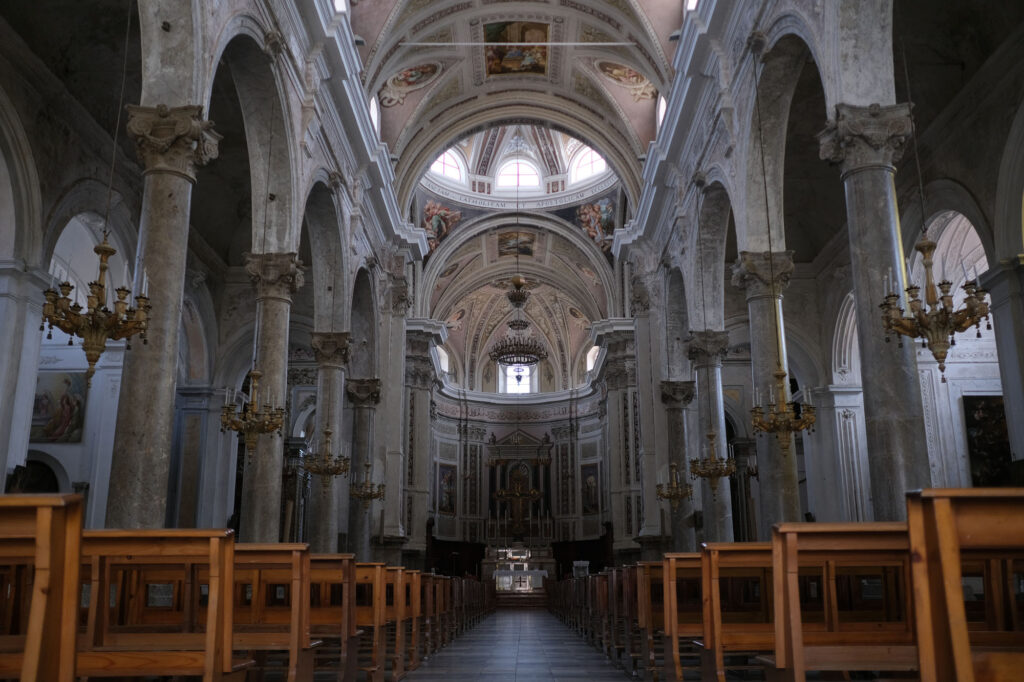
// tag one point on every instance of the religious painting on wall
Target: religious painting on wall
(509, 243)
(596, 217)
(447, 475)
(58, 409)
(407, 80)
(637, 84)
(438, 221)
(988, 441)
(590, 494)
(512, 59)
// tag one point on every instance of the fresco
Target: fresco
(634, 81)
(508, 242)
(515, 59)
(438, 220)
(407, 80)
(447, 474)
(590, 494)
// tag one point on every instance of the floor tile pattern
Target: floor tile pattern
(518, 645)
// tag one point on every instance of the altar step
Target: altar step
(522, 600)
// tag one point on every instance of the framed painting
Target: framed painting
(590, 494)
(988, 441)
(58, 408)
(447, 475)
(506, 51)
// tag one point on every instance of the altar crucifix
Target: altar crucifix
(518, 495)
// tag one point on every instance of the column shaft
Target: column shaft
(1005, 282)
(331, 351)
(171, 143)
(364, 394)
(676, 395)
(867, 141)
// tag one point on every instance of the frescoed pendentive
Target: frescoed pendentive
(516, 59)
(407, 80)
(634, 81)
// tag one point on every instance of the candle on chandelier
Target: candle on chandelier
(145, 283)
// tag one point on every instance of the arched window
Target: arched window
(592, 357)
(375, 114)
(518, 174)
(662, 107)
(447, 165)
(442, 358)
(587, 163)
(518, 378)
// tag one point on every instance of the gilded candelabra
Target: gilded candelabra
(367, 491)
(252, 419)
(674, 491)
(712, 467)
(783, 418)
(938, 325)
(96, 322)
(323, 463)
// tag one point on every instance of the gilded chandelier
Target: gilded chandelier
(674, 491)
(712, 467)
(783, 418)
(96, 323)
(937, 325)
(252, 419)
(323, 463)
(367, 491)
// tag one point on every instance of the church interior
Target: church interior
(680, 335)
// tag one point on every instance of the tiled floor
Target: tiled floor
(520, 645)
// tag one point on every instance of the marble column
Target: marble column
(763, 276)
(676, 395)
(1005, 284)
(21, 308)
(172, 143)
(275, 276)
(706, 349)
(866, 142)
(363, 394)
(420, 375)
(331, 352)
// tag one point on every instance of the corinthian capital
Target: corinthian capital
(330, 348)
(172, 139)
(866, 136)
(275, 275)
(762, 273)
(707, 347)
(363, 392)
(677, 393)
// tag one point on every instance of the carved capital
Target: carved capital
(861, 137)
(419, 372)
(677, 394)
(753, 271)
(330, 348)
(707, 347)
(363, 392)
(275, 275)
(172, 139)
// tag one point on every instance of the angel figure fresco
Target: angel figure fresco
(438, 221)
(598, 220)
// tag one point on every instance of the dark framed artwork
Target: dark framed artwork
(590, 492)
(988, 441)
(58, 409)
(447, 474)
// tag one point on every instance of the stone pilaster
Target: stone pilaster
(1005, 283)
(172, 143)
(421, 337)
(866, 142)
(764, 276)
(706, 350)
(275, 277)
(330, 349)
(363, 395)
(676, 395)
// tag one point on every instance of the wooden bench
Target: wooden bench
(394, 619)
(370, 608)
(650, 589)
(736, 589)
(332, 615)
(842, 599)
(39, 582)
(272, 605)
(428, 610)
(629, 615)
(945, 526)
(141, 600)
(413, 613)
(683, 610)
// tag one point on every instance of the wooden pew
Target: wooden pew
(945, 526)
(413, 613)
(370, 608)
(428, 608)
(142, 596)
(272, 604)
(332, 611)
(40, 536)
(629, 613)
(650, 588)
(443, 605)
(394, 619)
(842, 599)
(736, 589)
(615, 647)
(682, 609)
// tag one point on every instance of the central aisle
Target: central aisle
(518, 644)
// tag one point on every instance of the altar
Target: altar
(518, 569)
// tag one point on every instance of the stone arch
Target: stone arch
(845, 350)
(942, 196)
(21, 231)
(171, 69)
(41, 473)
(194, 361)
(677, 327)
(707, 292)
(1009, 209)
(363, 328)
(321, 228)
